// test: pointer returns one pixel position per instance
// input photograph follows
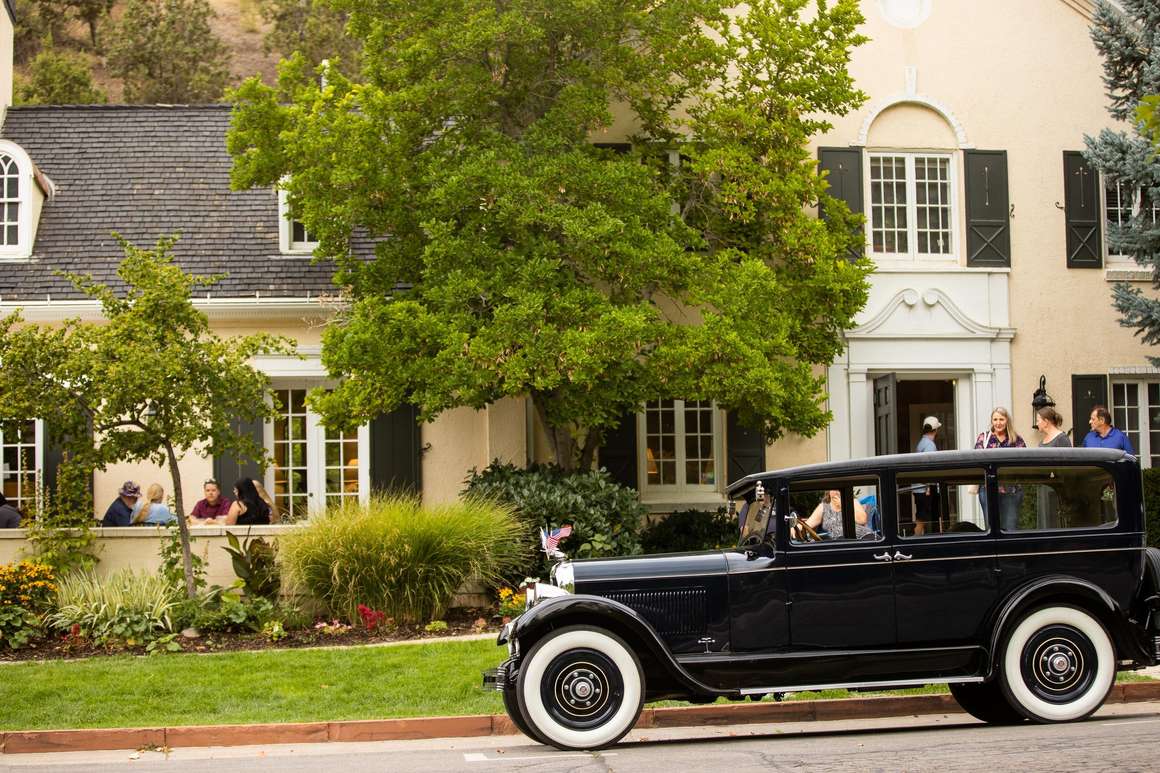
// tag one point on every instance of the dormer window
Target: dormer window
(17, 189)
(293, 237)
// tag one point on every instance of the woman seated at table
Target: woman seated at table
(248, 509)
(151, 509)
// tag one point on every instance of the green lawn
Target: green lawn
(271, 686)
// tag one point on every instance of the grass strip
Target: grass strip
(440, 679)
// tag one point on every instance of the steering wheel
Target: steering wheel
(811, 535)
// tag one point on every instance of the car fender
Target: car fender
(559, 611)
(1044, 588)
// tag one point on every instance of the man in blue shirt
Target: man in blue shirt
(1104, 435)
(120, 513)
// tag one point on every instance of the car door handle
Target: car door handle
(883, 557)
(900, 556)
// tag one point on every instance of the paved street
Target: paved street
(1120, 737)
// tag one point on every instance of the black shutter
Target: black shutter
(618, 452)
(988, 219)
(396, 451)
(1081, 198)
(745, 446)
(228, 469)
(844, 167)
(1086, 393)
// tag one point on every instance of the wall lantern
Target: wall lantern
(1040, 399)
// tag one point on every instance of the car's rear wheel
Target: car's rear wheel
(1058, 664)
(580, 688)
(986, 702)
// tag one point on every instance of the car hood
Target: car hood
(596, 571)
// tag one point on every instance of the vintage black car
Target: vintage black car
(1019, 577)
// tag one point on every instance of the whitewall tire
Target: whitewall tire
(1058, 665)
(580, 688)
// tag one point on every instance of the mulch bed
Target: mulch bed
(460, 622)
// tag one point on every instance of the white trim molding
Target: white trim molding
(934, 300)
(879, 106)
(26, 207)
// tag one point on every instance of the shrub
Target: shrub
(604, 515)
(1152, 505)
(396, 556)
(128, 606)
(28, 584)
(254, 564)
(17, 626)
(229, 612)
(691, 530)
(62, 535)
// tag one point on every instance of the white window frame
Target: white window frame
(316, 452)
(286, 243)
(1142, 443)
(22, 250)
(912, 255)
(38, 466)
(682, 491)
(1117, 259)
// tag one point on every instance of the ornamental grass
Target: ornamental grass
(397, 556)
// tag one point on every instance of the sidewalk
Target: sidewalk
(487, 725)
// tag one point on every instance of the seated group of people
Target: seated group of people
(251, 506)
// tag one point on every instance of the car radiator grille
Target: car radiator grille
(668, 611)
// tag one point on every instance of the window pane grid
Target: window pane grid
(9, 202)
(699, 443)
(1126, 411)
(290, 470)
(18, 473)
(341, 466)
(932, 200)
(888, 214)
(661, 442)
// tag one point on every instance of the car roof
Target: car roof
(929, 459)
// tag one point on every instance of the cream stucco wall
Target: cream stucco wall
(6, 41)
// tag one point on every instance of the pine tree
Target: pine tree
(1129, 42)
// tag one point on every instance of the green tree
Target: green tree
(518, 258)
(313, 28)
(38, 22)
(1129, 42)
(149, 381)
(56, 78)
(91, 12)
(165, 51)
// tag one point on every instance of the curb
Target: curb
(36, 741)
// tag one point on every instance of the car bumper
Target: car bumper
(499, 678)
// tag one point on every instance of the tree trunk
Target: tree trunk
(182, 526)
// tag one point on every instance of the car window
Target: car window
(754, 516)
(940, 502)
(835, 510)
(1048, 498)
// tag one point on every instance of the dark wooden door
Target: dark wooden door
(886, 414)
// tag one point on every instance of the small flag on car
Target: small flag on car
(551, 540)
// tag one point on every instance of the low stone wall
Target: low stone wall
(139, 547)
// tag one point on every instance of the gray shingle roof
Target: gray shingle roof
(144, 172)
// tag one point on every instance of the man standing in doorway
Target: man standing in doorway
(924, 498)
(1104, 435)
(930, 428)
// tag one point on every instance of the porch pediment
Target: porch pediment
(931, 314)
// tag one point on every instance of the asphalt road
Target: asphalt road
(1120, 737)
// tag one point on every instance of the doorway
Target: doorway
(901, 404)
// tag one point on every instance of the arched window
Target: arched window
(9, 202)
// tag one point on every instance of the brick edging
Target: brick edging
(33, 741)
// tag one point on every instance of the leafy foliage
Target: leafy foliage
(106, 408)
(690, 530)
(56, 78)
(62, 534)
(127, 606)
(537, 264)
(165, 51)
(18, 626)
(399, 557)
(255, 565)
(604, 515)
(38, 23)
(315, 29)
(227, 610)
(1152, 506)
(172, 563)
(27, 584)
(1129, 42)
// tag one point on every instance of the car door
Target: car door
(840, 589)
(945, 579)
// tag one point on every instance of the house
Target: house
(983, 220)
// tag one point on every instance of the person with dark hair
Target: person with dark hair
(1050, 423)
(214, 505)
(249, 509)
(1103, 434)
(9, 515)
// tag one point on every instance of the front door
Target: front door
(886, 414)
(841, 588)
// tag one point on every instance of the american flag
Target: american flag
(551, 540)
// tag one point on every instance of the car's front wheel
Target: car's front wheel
(1058, 664)
(986, 702)
(580, 688)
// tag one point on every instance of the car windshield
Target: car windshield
(754, 517)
